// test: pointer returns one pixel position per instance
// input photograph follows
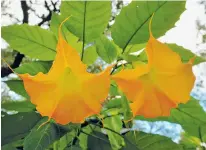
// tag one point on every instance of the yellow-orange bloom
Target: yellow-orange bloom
(68, 93)
(158, 86)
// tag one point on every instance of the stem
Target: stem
(115, 67)
(83, 36)
(82, 56)
(108, 129)
(94, 136)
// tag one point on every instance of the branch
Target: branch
(11, 16)
(48, 17)
(25, 9)
(5, 71)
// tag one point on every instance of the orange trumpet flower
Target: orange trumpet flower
(157, 87)
(67, 93)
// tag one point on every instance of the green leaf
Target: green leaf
(98, 141)
(64, 141)
(190, 116)
(71, 39)
(41, 138)
(110, 112)
(8, 147)
(20, 106)
(106, 49)
(126, 108)
(15, 127)
(83, 22)
(143, 141)
(115, 124)
(186, 54)
(113, 90)
(31, 40)
(130, 58)
(55, 22)
(18, 87)
(113, 103)
(83, 138)
(203, 133)
(13, 145)
(34, 67)
(189, 142)
(90, 55)
(134, 48)
(131, 25)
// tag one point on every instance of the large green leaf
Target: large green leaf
(20, 106)
(18, 87)
(115, 124)
(71, 39)
(31, 40)
(106, 49)
(185, 55)
(13, 145)
(90, 55)
(34, 67)
(134, 48)
(134, 141)
(190, 116)
(131, 25)
(15, 127)
(55, 22)
(64, 141)
(8, 147)
(88, 18)
(144, 141)
(41, 138)
(83, 138)
(98, 141)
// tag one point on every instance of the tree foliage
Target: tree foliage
(86, 32)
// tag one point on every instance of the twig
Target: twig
(5, 71)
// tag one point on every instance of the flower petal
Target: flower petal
(161, 57)
(179, 85)
(66, 57)
(127, 80)
(156, 104)
(41, 91)
(71, 108)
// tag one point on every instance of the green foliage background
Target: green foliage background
(87, 32)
